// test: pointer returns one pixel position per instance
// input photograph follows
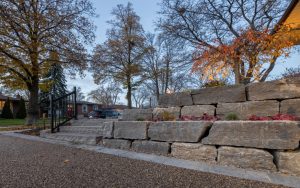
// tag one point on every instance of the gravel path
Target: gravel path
(26, 163)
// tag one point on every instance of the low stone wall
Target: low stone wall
(260, 99)
(260, 145)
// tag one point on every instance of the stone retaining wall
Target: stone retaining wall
(261, 99)
(259, 145)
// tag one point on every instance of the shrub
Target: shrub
(140, 119)
(215, 83)
(167, 116)
(204, 117)
(232, 116)
(6, 111)
(291, 73)
(286, 117)
(21, 114)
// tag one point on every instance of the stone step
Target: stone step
(105, 130)
(88, 139)
(91, 122)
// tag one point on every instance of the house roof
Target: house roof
(4, 97)
(291, 17)
(289, 10)
(118, 106)
(86, 102)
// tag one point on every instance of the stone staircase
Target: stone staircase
(83, 131)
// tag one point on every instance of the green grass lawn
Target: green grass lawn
(19, 122)
(10, 122)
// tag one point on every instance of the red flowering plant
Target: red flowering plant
(204, 117)
(286, 117)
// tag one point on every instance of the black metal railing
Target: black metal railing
(62, 110)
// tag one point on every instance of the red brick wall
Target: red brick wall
(89, 109)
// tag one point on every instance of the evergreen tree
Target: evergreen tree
(55, 80)
(58, 80)
(21, 114)
(6, 112)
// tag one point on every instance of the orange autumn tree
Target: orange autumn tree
(246, 55)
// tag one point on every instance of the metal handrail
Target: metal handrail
(63, 109)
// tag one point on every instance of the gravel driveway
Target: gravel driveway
(25, 163)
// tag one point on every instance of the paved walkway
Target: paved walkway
(25, 163)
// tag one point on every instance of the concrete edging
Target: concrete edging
(273, 178)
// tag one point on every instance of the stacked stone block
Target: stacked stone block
(259, 145)
(260, 99)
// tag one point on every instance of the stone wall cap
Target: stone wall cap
(265, 121)
(133, 121)
(197, 91)
(180, 122)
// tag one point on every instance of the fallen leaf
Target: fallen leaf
(66, 161)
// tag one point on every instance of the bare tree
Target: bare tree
(79, 94)
(30, 30)
(140, 97)
(167, 66)
(291, 73)
(207, 24)
(119, 57)
(106, 95)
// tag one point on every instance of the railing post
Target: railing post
(59, 110)
(75, 103)
(52, 113)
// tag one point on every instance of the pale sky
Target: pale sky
(147, 10)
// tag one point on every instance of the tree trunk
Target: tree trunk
(33, 106)
(167, 76)
(129, 94)
(236, 70)
(269, 70)
(157, 89)
(250, 71)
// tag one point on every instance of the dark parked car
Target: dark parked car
(107, 113)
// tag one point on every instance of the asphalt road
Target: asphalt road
(26, 163)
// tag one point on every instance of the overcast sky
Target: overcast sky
(147, 10)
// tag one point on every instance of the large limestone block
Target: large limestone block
(158, 112)
(214, 95)
(198, 110)
(116, 143)
(137, 114)
(288, 162)
(179, 131)
(194, 151)
(161, 148)
(90, 122)
(280, 89)
(245, 109)
(246, 158)
(104, 130)
(290, 106)
(255, 134)
(131, 129)
(175, 99)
